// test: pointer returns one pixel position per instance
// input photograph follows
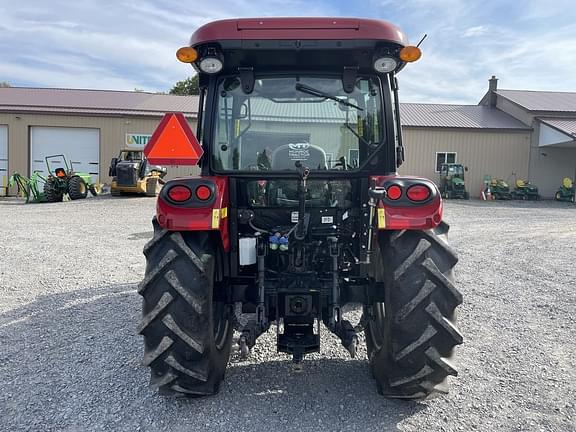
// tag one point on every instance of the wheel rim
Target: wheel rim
(221, 325)
(82, 188)
(377, 327)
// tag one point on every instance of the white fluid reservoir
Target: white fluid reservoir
(247, 251)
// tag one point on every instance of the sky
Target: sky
(131, 44)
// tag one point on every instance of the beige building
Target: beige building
(88, 126)
(485, 140)
(552, 117)
(510, 134)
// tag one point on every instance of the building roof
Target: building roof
(100, 102)
(541, 100)
(107, 102)
(457, 116)
(568, 126)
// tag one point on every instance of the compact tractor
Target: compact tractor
(567, 191)
(298, 211)
(132, 174)
(452, 184)
(64, 180)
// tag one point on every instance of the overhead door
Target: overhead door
(3, 158)
(80, 146)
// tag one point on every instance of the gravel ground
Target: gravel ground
(70, 356)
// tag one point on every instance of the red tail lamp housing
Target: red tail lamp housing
(179, 193)
(394, 192)
(203, 193)
(418, 193)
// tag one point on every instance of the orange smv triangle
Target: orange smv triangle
(173, 143)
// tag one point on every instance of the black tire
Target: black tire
(187, 336)
(94, 190)
(466, 195)
(77, 189)
(51, 192)
(411, 337)
(152, 187)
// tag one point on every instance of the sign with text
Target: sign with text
(137, 141)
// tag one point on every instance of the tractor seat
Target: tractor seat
(311, 156)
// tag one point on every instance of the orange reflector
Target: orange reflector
(418, 193)
(187, 55)
(203, 192)
(394, 192)
(410, 54)
(173, 143)
(179, 193)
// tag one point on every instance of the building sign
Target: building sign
(137, 141)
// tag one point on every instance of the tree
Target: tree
(186, 87)
(4, 84)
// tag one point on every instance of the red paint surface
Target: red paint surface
(177, 218)
(298, 29)
(413, 216)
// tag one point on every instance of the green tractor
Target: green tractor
(61, 181)
(567, 191)
(452, 184)
(524, 190)
(500, 189)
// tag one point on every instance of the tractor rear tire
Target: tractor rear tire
(411, 337)
(187, 335)
(51, 192)
(77, 189)
(152, 187)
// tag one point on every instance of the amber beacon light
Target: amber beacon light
(187, 55)
(410, 53)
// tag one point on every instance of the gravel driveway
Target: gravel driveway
(70, 356)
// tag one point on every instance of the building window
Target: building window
(444, 157)
(353, 157)
(330, 162)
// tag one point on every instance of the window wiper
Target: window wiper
(315, 92)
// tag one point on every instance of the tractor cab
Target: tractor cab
(452, 183)
(298, 210)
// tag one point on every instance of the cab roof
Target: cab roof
(298, 29)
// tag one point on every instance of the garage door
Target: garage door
(81, 146)
(3, 158)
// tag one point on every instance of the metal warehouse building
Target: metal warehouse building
(510, 133)
(88, 126)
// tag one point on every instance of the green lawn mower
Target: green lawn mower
(63, 181)
(452, 184)
(525, 191)
(567, 191)
(500, 189)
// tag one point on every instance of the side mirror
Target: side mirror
(465, 168)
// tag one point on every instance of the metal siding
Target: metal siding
(3, 159)
(549, 165)
(495, 153)
(112, 137)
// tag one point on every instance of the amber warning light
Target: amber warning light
(173, 143)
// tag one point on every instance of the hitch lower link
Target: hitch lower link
(253, 325)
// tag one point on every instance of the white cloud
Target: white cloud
(131, 43)
(475, 31)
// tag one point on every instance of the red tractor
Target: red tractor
(298, 211)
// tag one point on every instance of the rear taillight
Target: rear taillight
(394, 192)
(418, 193)
(179, 193)
(203, 193)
